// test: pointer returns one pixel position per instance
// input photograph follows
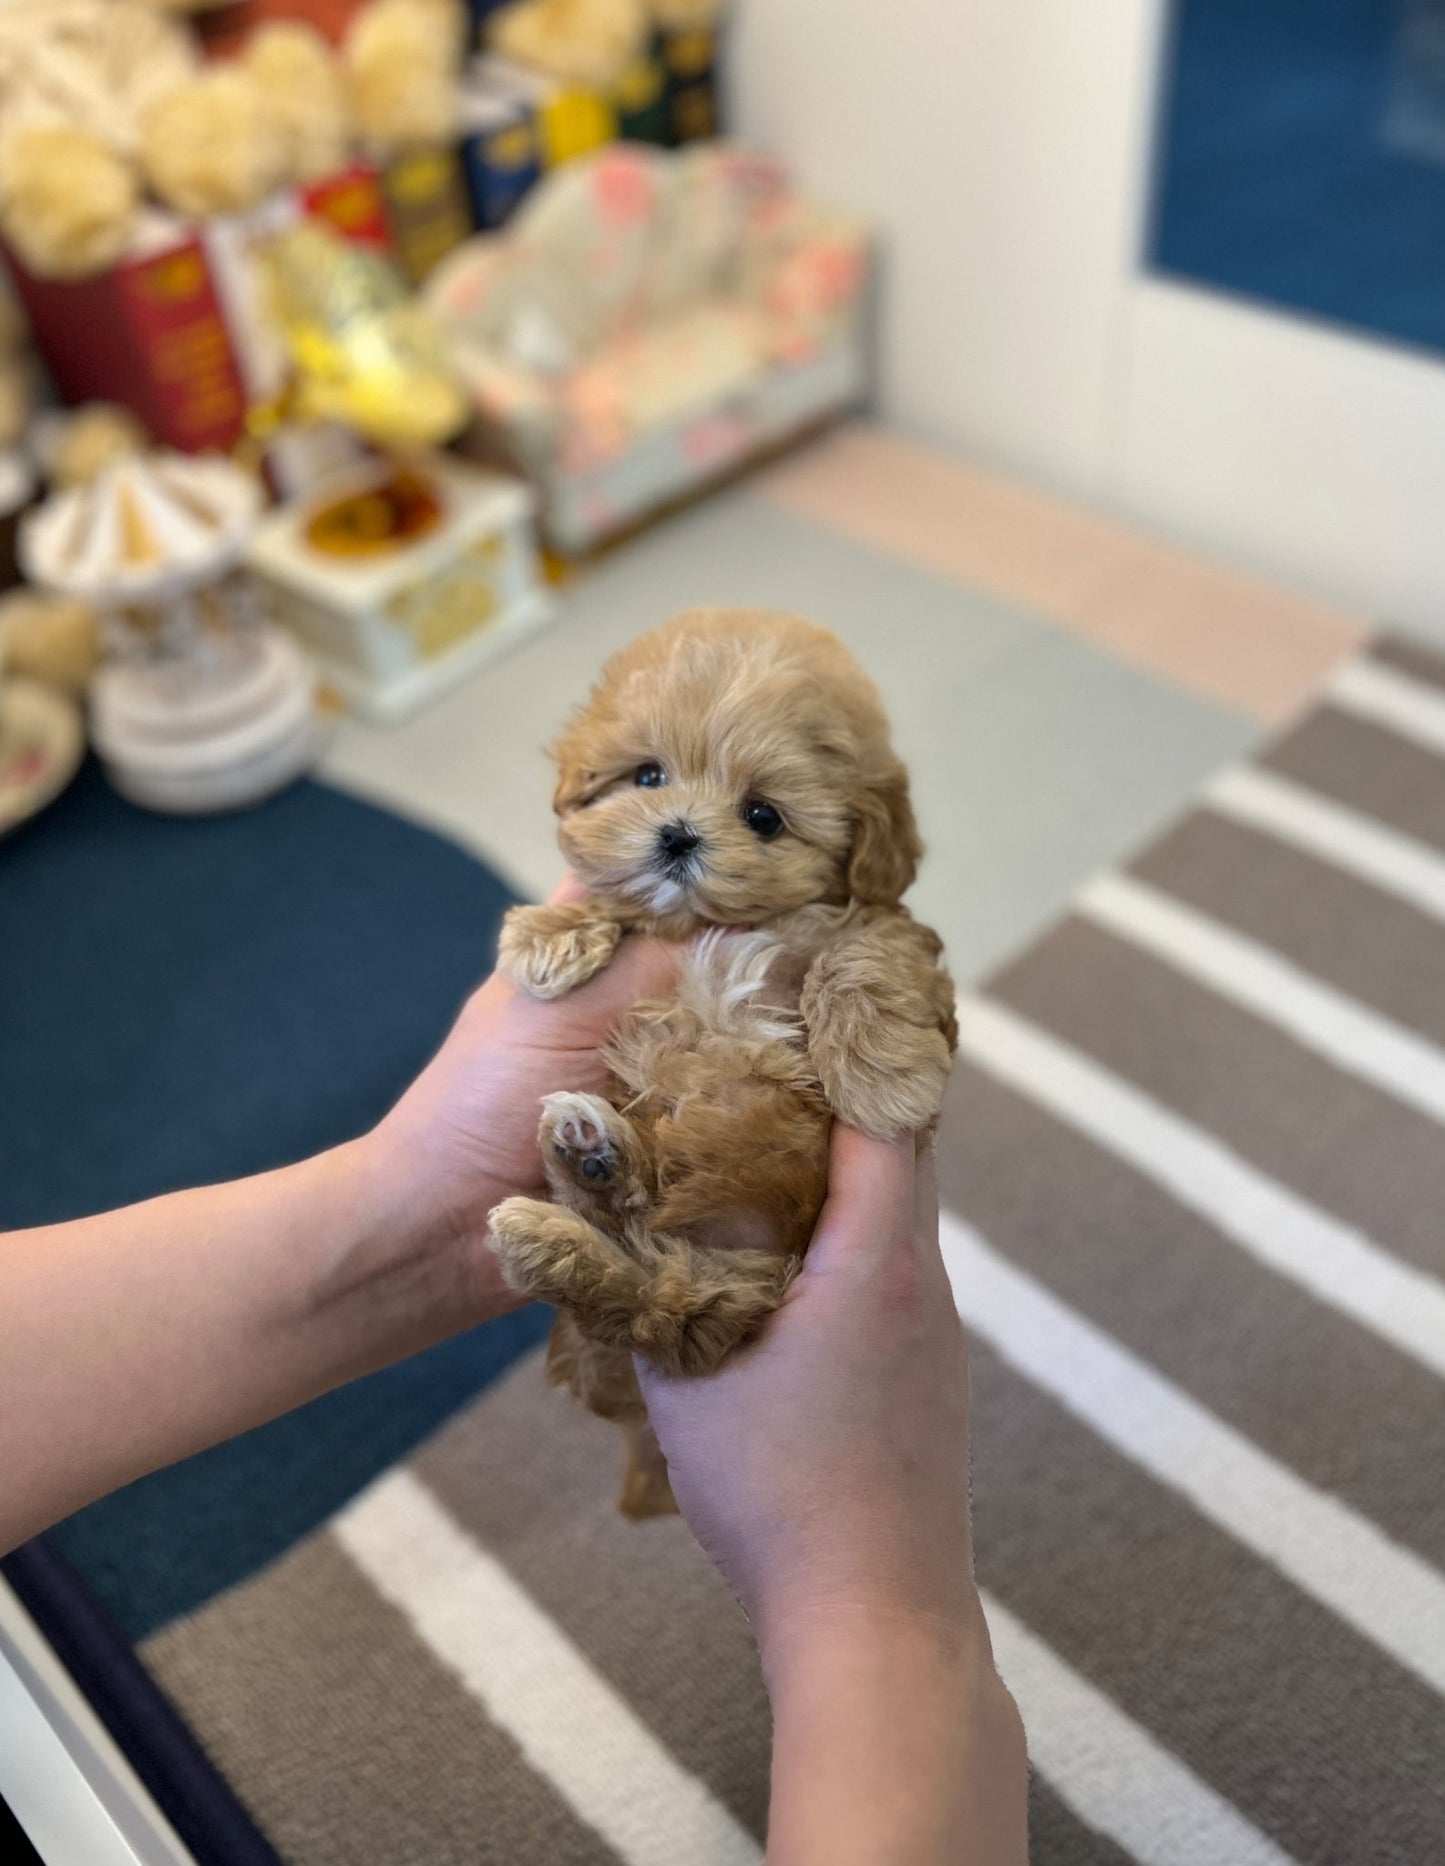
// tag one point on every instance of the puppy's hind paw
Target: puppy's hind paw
(530, 1245)
(593, 1156)
(575, 1127)
(557, 1256)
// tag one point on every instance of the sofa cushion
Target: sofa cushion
(660, 372)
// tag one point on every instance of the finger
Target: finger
(869, 1208)
(925, 1219)
(640, 968)
(925, 1191)
(567, 890)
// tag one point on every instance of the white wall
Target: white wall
(1003, 147)
(1001, 249)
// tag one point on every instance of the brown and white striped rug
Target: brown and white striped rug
(1194, 1169)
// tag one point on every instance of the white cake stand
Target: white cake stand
(208, 733)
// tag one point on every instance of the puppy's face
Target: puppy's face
(729, 768)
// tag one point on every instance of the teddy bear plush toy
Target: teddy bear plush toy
(106, 102)
(76, 79)
(401, 59)
(589, 43)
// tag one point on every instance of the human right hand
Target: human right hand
(825, 1468)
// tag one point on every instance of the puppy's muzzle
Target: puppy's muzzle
(677, 843)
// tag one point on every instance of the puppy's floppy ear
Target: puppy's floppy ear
(886, 845)
(578, 781)
(575, 786)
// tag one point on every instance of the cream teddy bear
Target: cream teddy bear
(68, 202)
(212, 146)
(401, 60)
(55, 639)
(83, 441)
(303, 92)
(590, 43)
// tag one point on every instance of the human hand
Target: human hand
(825, 1467)
(464, 1136)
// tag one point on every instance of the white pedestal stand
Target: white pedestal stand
(212, 730)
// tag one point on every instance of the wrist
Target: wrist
(399, 1263)
(882, 1634)
(894, 1738)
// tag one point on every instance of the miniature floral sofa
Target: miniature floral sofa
(649, 320)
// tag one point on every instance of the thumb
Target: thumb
(640, 968)
(869, 1208)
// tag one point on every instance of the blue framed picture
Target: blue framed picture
(1301, 159)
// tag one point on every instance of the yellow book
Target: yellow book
(573, 123)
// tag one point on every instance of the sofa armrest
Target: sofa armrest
(521, 404)
(808, 277)
(461, 292)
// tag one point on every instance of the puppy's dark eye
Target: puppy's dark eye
(762, 819)
(649, 776)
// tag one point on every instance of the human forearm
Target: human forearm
(137, 1337)
(893, 1740)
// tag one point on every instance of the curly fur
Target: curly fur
(682, 1203)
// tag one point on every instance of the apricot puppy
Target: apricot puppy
(729, 782)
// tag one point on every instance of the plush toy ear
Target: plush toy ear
(886, 845)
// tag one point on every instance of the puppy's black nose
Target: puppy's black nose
(676, 841)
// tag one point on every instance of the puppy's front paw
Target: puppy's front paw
(549, 951)
(880, 1017)
(901, 1093)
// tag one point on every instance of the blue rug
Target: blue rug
(183, 1002)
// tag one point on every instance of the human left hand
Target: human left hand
(464, 1136)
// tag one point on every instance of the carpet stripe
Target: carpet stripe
(1411, 657)
(1344, 1032)
(346, 1737)
(1365, 1156)
(1367, 767)
(569, 1723)
(1371, 945)
(1335, 1262)
(1327, 1399)
(1383, 1592)
(1299, 1721)
(533, 1477)
(1349, 840)
(1391, 699)
(1058, 1837)
(1116, 1777)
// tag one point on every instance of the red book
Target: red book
(225, 30)
(148, 334)
(353, 203)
